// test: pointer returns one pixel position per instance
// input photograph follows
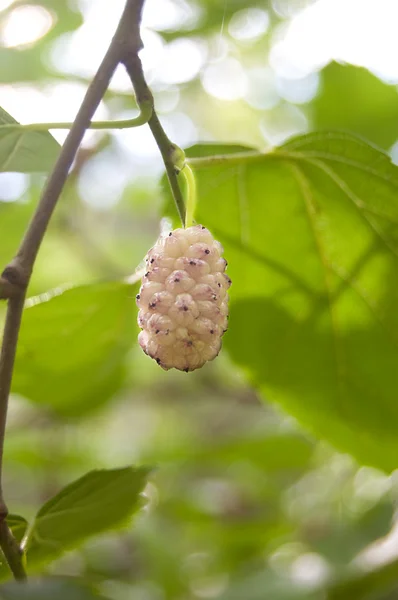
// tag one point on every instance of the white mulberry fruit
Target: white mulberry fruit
(183, 299)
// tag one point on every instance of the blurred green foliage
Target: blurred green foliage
(244, 503)
(86, 329)
(29, 63)
(354, 99)
(48, 590)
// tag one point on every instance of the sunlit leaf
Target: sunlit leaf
(311, 235)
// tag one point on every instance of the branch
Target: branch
(7, 288)
(12, 552)
(16, 276)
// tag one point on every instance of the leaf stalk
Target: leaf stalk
(142, 118)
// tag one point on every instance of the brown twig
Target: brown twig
(16, 276)
(12, 552)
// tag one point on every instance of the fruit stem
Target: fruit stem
(191, 194)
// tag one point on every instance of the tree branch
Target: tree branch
(16, 276)
(12, 552)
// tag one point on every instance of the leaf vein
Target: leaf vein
(358, 203)
(13, 152)
(310, 211)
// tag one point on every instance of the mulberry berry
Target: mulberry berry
(183, 299)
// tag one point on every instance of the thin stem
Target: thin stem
(16, 276)
(191, 194)
(168, 150)
(141, 119)
(173, 156)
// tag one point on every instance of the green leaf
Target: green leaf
(25, 151)
(370, 107)
(97, 502)
(198, 151)
(311, 235)
(73, 345)
(48, 590)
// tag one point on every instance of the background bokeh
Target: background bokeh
(243, 504)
